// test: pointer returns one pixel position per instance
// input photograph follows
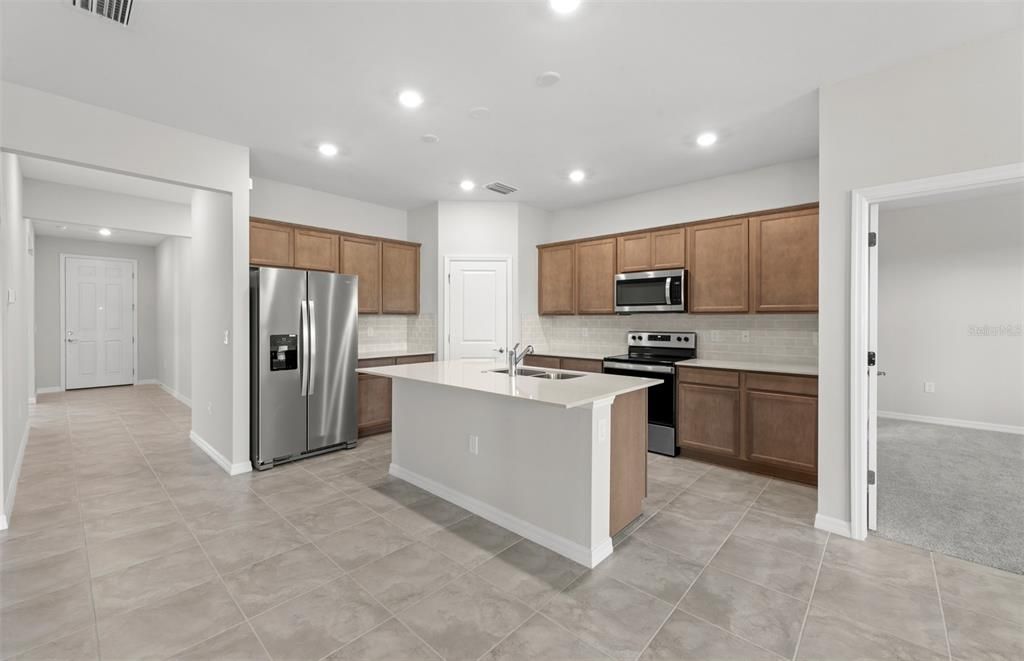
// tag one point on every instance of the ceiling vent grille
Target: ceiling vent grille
(500, 188)
(119, 11)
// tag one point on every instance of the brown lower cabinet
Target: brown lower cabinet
(764, 423)
(375, 393)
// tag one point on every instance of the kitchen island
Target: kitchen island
(556, 456)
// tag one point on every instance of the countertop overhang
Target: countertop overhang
(478, 376)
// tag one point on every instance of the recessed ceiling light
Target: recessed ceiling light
(62, 228)
(576, 176)
(410, 99)
(327, 149)
(104, 232)
(467, 185)
(548, 79)
(707, 139)
(564, 6)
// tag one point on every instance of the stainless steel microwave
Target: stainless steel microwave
(651, 291)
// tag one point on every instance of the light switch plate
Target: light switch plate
(12, 295)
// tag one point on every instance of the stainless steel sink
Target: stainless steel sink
(521, 372)
(557, 376)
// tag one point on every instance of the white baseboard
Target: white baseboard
(221, 460)
(952, 422)
(833, 525)
(577, 552)
(176, 395)
(48, 389)
(147, 382)
(12, 488)
(4, 523)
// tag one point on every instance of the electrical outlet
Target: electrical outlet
(227, 336)
(929, 386)
(745, 336)
(474, 445)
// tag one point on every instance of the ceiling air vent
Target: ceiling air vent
(119, 11)
(500, 188)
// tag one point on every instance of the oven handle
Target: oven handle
(639, 367)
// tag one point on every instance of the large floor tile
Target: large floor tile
(30, 578)
(34, 521)
(540, 639)
(406, 576)
(236, 548)
(389, 494)
(687, 638)
(120, 552)
(41, 544)
(608, 614)
(768, 566)
(782, 533)
(307, 494)
(895, 564)
(471, 541)
(363, 543)
(105, 505)
(321, 520)
(149, 581)
(238, 643)
(465, 618)
(654, 570)
(698, 510)
(28, 624)
(695, 542)
(764, 617)
(729, 486)
(391, 641)
(976, 636)
(227, 512)
(269, 582)
(80, 645)
(530, 572)
(789, 500)
(426, 516)
(830, 637)
(981, 589)
(318, 622)
(129, 521)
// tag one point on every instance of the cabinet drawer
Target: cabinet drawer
(376, 362)
(797, 385)
(581, 365)
(708, 377)
(409, 360)
(550, 362)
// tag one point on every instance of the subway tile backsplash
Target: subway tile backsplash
(775, 337)
(398, 333)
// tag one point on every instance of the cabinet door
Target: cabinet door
(362, 257)
(548, 362)
(634, 252)
(595, 277)
(374, 404)
(708, 419)
(719, 266)
(668, 249)
(784, 262)
(270, 244)
(556, 279)
(409, 360)
(782, 430)
(317, 251)
(582, 365)
(400, 278)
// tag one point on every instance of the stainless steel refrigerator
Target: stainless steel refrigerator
(304, 340)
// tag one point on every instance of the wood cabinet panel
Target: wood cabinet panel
(582, 365)
(400, 278)
(796, 385)
(719, 266)
(361, 257)
(668, 249)
(628, 459)
(547, 362)
(556, 279)
(782, 429)
(634, 252)
(784, 262)
(595, 277)
(708, 377)
(709, 419)
(317, 251)
(374, 404)
(270, 244)
(409, 360)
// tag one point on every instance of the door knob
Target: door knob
(881, 373)
(500, 349)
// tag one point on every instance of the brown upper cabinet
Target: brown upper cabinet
(556, 279)
(400, 278)
(595, 276)
(719, 266)
(361, 257)
(651, 251)
(270, 244)
(634, 252)
(317, 251)
(784, 262)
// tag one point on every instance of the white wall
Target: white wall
(174, 316)
(294, 204)
(948, 112)
(15, 324)
(46, 200)
(533, 230)
(950, 273)
(781, 185)
(422, 228)
(49, 345)
(41, 124)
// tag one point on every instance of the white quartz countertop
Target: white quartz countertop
(805, 369)
(392, 353)
(477, 376)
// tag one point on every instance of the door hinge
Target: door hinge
(872, 239)
(449, 278)
(871, 478)
(871, 359)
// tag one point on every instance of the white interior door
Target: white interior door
(98, 322)
(873, 374)
(478, 300)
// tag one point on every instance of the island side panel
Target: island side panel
(628, 458)
(540, 470)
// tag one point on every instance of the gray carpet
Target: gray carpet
(952, 490)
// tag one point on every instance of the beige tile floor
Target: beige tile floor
(129, 543)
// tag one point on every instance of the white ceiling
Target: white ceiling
(639, 80)
(111, 182)
(90, 233)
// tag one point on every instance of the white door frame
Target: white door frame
(61, 349)
(864, 204)
(512, 305)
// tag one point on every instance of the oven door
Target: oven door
(651, 291)
(661, 402)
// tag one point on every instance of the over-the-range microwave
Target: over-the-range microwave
(651, 291)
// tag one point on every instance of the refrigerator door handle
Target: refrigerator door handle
(312, 360)
(304, 352)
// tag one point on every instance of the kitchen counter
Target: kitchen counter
(393, 353)
(480, 377)
(581, 355)
(804, 369)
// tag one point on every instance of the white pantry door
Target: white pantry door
(99, 322)
(478, 308)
